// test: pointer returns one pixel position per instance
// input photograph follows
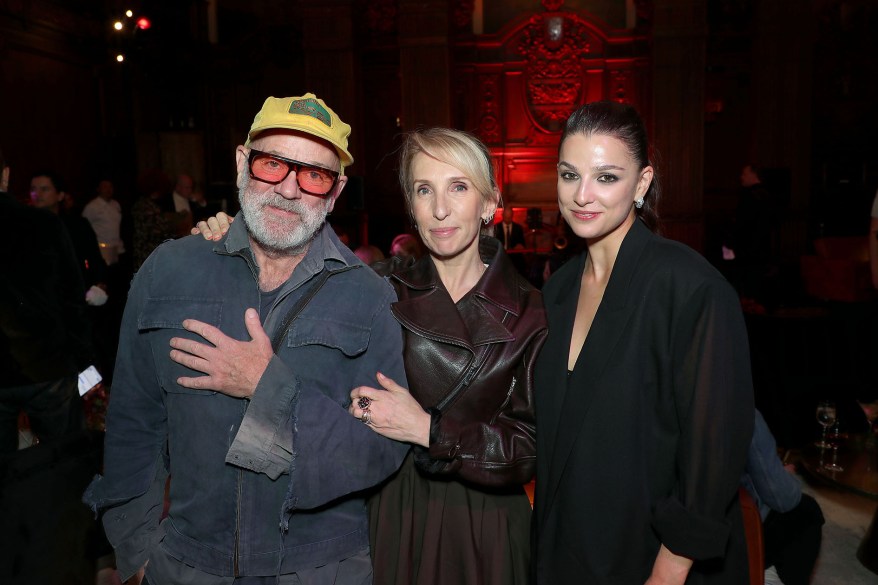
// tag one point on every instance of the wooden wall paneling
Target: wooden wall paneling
(425, 63)
(782, 78)
(331, 70)
(678, 61)
(50, 95)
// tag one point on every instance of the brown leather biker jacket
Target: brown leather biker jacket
(470, 365)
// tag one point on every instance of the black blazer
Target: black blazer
(645, 441)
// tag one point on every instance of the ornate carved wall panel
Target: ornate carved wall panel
(523, 82)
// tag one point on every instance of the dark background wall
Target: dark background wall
(787, 84)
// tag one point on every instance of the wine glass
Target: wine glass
(834, 466)
(835, 437)
(826, 417)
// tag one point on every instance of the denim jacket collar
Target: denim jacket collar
(324, 247)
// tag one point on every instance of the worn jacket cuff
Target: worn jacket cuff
(133, 527)
(264, 441)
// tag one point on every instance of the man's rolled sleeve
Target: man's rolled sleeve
(263, 443)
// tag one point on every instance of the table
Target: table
(860, 462)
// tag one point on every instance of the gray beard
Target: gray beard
(293, 241)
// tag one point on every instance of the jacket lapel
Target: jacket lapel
(560, 311)
(586, 386)
(427, 309)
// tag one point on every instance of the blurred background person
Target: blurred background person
(751, 246)
(510, 234)
(45, 333)
(191, 204)
(47, 191)
(369, 254)
(45, 341)
(151, 218)
(791, 521)
(104, 213)
(105, 216)
(564, 247)
(181, 196)
(405, 245)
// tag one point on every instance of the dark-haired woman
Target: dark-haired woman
(643, 388)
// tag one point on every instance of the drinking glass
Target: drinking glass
(835, 438)
(826, 417)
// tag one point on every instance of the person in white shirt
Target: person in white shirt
(105, 216)
(183, 193)
(191, 204)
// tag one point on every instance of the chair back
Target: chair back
(753, 533)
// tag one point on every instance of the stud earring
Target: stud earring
(638, 203)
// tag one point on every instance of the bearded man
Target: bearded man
(267, 485)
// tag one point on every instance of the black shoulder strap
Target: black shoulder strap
(297, 307)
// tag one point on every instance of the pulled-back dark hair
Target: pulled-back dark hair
(622, 122)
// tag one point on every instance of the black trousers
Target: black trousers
(49, 536)
(792, 541)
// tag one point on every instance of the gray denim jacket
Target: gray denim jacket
(264, 486)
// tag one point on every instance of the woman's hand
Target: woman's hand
(669, 569)
(214, 227)
(233, 367)
(393, 412)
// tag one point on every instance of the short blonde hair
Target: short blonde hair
(459, 149)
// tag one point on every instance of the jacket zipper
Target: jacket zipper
(238, 521)
(474, 368)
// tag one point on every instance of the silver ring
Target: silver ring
(364, 402)
(367, 417)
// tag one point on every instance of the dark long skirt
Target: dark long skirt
(428, 531)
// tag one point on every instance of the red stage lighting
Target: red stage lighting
(143, 23)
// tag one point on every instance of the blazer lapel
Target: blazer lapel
(586, 385)
(554, 354)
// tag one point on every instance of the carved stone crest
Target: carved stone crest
(553, 46)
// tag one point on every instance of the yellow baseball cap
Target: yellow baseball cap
(307, 114)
